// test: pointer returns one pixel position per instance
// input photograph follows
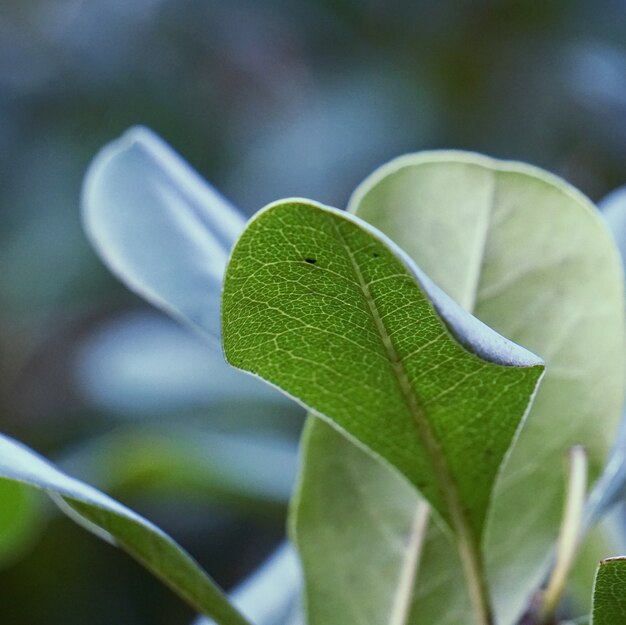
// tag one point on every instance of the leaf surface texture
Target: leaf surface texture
(323, 307)
(529, 256)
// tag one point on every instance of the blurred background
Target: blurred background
(267, 100)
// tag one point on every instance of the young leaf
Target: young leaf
(609, 593)
(324, 307)
(530, 257)
(112, 521)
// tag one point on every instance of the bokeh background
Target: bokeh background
(266, 99)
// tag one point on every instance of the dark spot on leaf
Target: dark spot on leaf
(375, 254)
(311, 261)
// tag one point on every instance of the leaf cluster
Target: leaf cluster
(452, 336)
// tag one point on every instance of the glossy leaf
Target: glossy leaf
(327, 309)
(114, 522)
(609, 593)
(530, 257)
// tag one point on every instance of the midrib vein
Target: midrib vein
(444, 478)
(470, 305)
(469, 551)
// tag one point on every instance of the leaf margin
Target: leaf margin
(99, 513)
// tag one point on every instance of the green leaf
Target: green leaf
(319, 305)
(609, 593)
(529, 256)
(357, 529)
(324, 307)
(114, 522)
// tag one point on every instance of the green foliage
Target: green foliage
(522, 250)
(112, 521)
(310, 291)
(323, 308)
(421, 498)
(609, 593)
(357, 531)
(528, 255)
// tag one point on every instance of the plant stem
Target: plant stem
(404, 593)
(474, 569)
(469, 548)
(569, 536)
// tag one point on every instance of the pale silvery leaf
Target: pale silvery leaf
(115, 523)
(610, 487)
(270, 596)
(613, 208)
(523, 251)
(142, 362)
(160, 227)
(167, 234)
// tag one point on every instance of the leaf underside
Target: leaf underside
(352, 522)
(526, 253)
(322, 307)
